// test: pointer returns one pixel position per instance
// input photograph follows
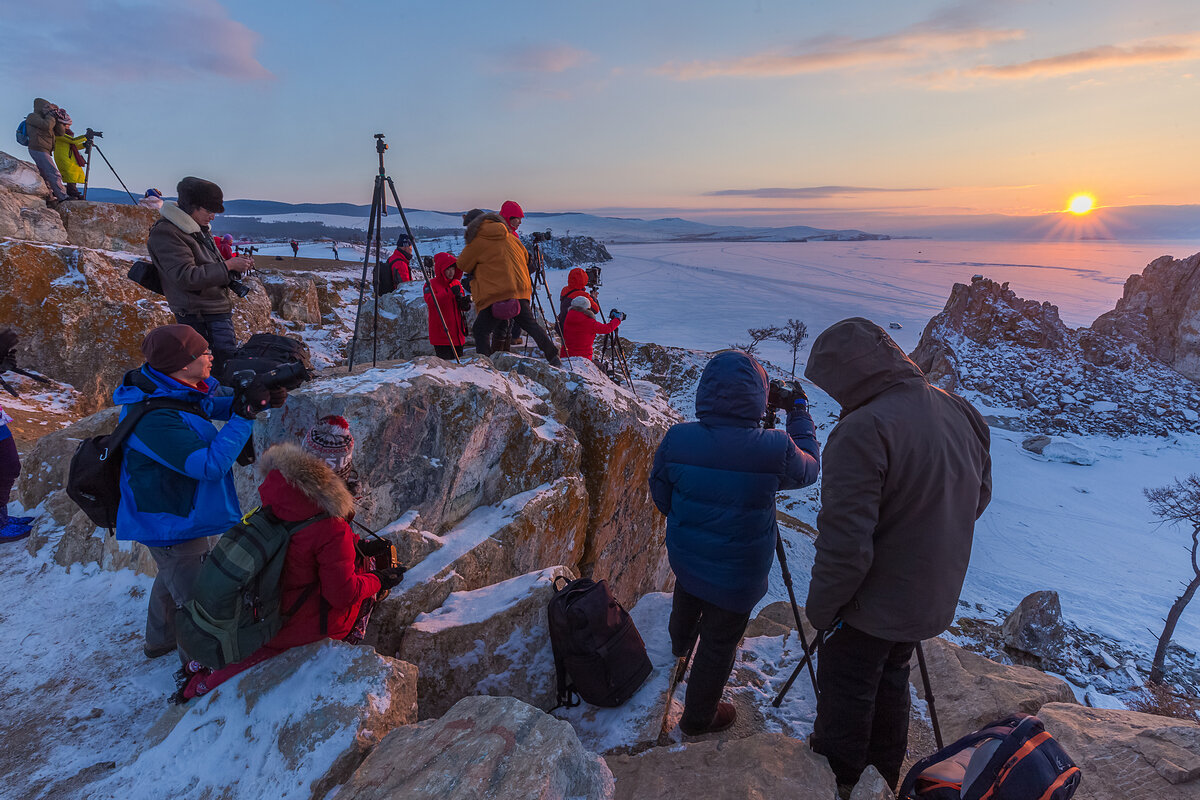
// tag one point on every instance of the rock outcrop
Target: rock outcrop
(23, 211)
(1019, 361)
(494, 747)
(108, 226)
(564, 252)
(1035, 626)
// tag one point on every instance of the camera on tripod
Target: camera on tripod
(593, 277)
(249, 250)
(540, 236)
(427, 263)
(90, 134)
(616, 314)
(784, 394)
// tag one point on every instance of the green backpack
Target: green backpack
(235, 605)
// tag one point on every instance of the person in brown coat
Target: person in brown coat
(499, 265)
(906, 473)
(41, 127)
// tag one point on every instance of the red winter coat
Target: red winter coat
(580, 332)
(298, 486)
(224, 249)
(447, 293)
(576, 287)
(398, 262)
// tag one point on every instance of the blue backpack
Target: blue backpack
(1014, 758)
(22, 135)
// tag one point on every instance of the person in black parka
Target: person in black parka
(716, 480)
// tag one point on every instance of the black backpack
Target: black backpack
(145, 275)
(94, 478)
(1010, 759)
(262, 352)
(598, 653)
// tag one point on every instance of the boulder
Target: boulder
(21, 177)
(767, 765)
(1127, 755)
(1036, 444)
(872, 786)
(108, 226)
(970, 691)
(491, 641)
(493, 747)
(402, 330)
(294, 299)
(1035, 626)
(297, 725)
(23, 211)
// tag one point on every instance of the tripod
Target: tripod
(378, 212)
(88, 146)
(537, 273)
(612, 353)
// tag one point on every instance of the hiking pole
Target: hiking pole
(937, 730)
(787, 581)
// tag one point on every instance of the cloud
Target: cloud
(915, 45)
(805, 192)
(1148, 51)
(544, 58)
(97, 42)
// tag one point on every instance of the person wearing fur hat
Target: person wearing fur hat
(581, 328)
(447, 332)
(41, 127)
(195, 276)
(499, 265)
(176, 479)
(297, 485)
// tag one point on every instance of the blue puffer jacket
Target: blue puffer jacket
(716, 480)
(176, 480)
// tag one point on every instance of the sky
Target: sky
(772, 112)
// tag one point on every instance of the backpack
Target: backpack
(262, 352)
(1010, 759)
(598, 653)
(235, 604)
(22, 135)
(385, 280)
(94, 477)
(145, 274)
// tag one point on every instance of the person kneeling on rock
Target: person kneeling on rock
(322, 571)
(580, 329)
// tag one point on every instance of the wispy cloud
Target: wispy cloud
(805, 192)
(551, 58)
(915, 45)
(1149, 51)
(91, 41)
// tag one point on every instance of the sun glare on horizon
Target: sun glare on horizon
(1081, 203)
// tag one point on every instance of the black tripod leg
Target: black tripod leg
(787, 581)
(363, 281)
(806, 660)
(937, 729)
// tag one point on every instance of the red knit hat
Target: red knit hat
(510, 209)
(331, 441)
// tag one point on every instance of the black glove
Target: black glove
(252, 399)
(278, 395)
(389, 578)
(801, 399)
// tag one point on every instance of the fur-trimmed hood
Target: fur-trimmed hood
(301, 477)
(179, 218)
(478, 222)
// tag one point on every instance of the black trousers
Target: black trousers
(720, 632)
(862, 709)
(217, 329)
(447, 351)
(485, 323)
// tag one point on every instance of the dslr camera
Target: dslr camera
(615, 314)
(784, 394)
(593, 277)
(383, 551)
(237, 287)
(540, 236)
(427, 263)
(90, 134)
(290, 375)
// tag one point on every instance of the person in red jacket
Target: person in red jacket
(224, 245)
(398, 261)
(452, 299)
(298, 486)
(576, 287)
(581, 328)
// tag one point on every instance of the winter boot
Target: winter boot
(14, 531)
(722, 720)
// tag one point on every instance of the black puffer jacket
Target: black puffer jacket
(906, 473)
(193, 273)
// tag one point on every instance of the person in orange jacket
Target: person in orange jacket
(581, 328)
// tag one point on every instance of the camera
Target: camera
(540, 236)
(615, 314)
(248, 250)
(290, 375)
(383, 551)
(237, 287)
(89, 133)
(784, 394)
(427, 263)
(593, 277)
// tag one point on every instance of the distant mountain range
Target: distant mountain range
(272, 219)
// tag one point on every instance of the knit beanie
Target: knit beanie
(331, 441)
(510, 209)
(172, 347)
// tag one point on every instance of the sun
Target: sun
(1081, 203)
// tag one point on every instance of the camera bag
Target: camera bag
(1010, 759)
(385, 281)
(94, 477)
(599, 655)
(506, 309)
(262, 352)
(235, 607)
(145, 274)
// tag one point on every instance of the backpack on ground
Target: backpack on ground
(265, 351)
(235, 606)
(94, 477)
(22, 135)
(145, 275)
(1010, 759)
(598, 653)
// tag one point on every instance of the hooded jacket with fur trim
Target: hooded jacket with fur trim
(193, 273)
(498, 262)
(42, 126)
(296, 486)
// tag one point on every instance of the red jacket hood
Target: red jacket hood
(576, 281)
(298, 485)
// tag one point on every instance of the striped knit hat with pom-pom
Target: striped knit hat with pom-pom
(331, 441)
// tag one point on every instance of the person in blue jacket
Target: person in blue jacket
(176, 469)
(715, 479)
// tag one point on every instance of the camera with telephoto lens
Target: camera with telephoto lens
(784, 394)
(89, 134)
(237, 287)
(615, 314)
(290, 375)
(383, 551)
(540, 236)
(593, 277)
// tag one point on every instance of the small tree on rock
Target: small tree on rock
(793, 335)
(757, 337)
(1178, 502)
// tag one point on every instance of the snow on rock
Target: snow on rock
(491, 641)
(638, 723)
(300, 723)
(1097, 699)
(1068, 453)
(23, 211)
(108, 226)
(493, 747)
(1127, 755)
(1018, 362)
